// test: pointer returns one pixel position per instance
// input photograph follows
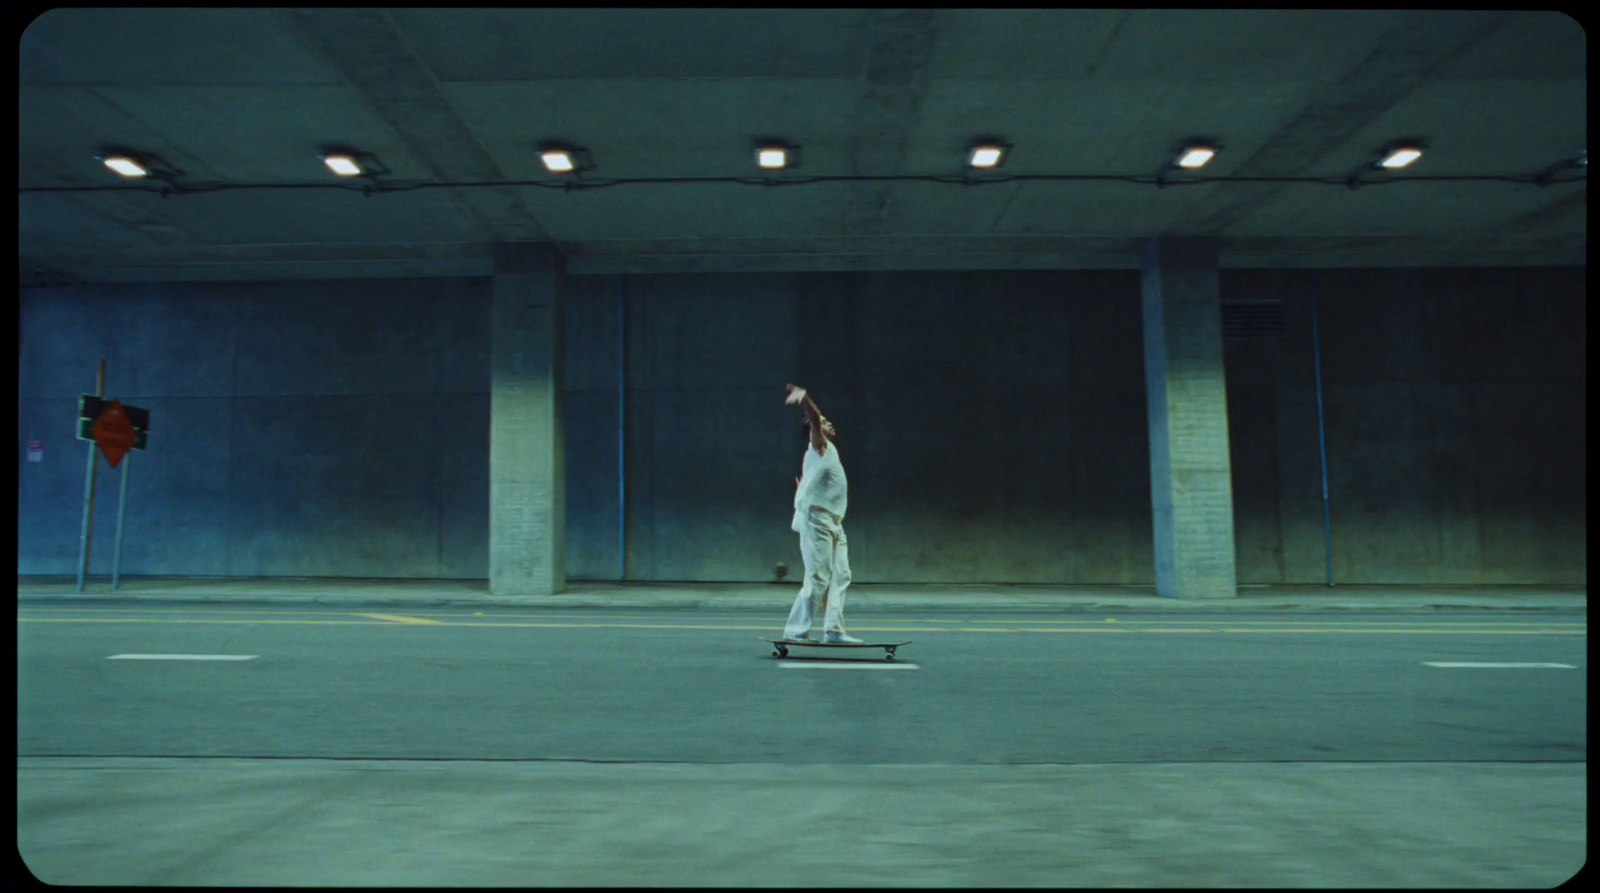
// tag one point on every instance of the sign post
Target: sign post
(88, 486)
(122, 511)
(116, 429)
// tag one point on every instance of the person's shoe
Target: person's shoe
(803, 637)
(839, 638)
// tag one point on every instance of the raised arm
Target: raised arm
(798, 395)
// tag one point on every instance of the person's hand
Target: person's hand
(796, 394)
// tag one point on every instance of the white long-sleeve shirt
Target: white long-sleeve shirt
(822, 484)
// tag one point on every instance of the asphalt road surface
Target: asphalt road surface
(698, 689)
(647, 686)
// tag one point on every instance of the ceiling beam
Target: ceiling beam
(894, 80)
(1339, 111)
(371, 51)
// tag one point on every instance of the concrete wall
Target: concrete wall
(1455, 408)
(297, 429)
(992, 424)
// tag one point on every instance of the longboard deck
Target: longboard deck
(780, 647)
(821, 644)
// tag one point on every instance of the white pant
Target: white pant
(826, 552)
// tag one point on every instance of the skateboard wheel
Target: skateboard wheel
(889, 655)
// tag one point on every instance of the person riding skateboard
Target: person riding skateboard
(819, 506)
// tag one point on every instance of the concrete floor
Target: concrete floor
(400, 823)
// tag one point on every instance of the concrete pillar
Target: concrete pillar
(527, 462)
(1191, 489)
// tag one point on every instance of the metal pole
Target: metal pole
(88, 490)
(122, 511)
(88, 512)
(1322, 436)
(622, 422)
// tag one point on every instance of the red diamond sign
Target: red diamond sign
(114, 432)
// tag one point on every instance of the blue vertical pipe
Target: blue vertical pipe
(622, 421)
(1322, 436)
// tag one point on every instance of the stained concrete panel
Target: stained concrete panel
(593, 512)
(334, 486)
(459, 323)
(720, 466)
(594, 312)
(984, 405)
(1399, 464)
(973, 454)
(1447, 391)
(1253, 456)
(1532, 461)
(344, 338)
(172, 341)
(463, 480)
(710, 332)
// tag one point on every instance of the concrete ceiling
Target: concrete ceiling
(882, 104)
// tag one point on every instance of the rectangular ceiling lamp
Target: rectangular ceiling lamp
(1195, 157)
(557, 161)
(985, 155)
(772, 158)
(1399, 157)
(125, 166)
(343, 165)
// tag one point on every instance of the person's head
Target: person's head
(828, 430)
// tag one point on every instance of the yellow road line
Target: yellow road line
(402, 618)
(165, 609)
(202, 620)
(1373, 631)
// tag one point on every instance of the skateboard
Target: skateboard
(780, 647)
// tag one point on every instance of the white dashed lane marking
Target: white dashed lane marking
(843, 665)
(1454, 665)
(182, 657)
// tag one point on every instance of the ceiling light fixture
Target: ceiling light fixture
(987, 153)
(1195, 156)
(1191, 155)
(346, 162)
(560, 158)
(772, 155)
(1398, 154)
(137, 165)
(557, 161)
(125, 165)
(343, 165)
